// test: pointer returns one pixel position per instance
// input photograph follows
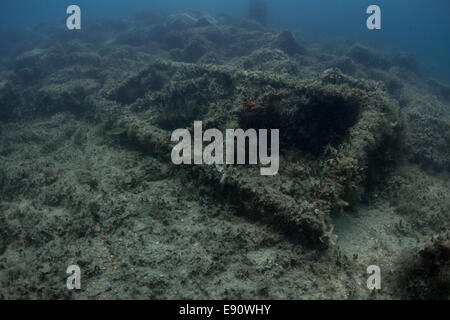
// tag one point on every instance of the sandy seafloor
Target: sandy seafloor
(85, 179)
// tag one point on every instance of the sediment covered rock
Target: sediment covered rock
(426, 273)
(9, 100)
(369, 57)
(341, 138)
(286, 42)
(85, 127)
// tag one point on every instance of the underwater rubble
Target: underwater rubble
(426, 273)
(334, 133)
(85, 128)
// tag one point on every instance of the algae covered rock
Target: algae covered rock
(87, 177)
(51, 100)
(37, 63)
(369, 57)
(345, 64)
(339, 158)
(192, 52)
(286, 42)
(426, 273)
(407, 61)
(428, 140)
(269, 60)
(440, 89)
(187, 20)
(9, 100)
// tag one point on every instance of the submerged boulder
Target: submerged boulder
(269, 60)
(193, 51)
(37, 63)
(9, 100)
(189, 19)
(425, 274)
(407, 61)
(339, 128)
(345, 64)
(369, 57)
(286, 42)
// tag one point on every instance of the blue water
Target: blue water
(418, 26)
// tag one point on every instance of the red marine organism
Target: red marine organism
(249, 104)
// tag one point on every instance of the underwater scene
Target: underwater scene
(225, 150)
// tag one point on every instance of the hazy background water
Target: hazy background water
(417, 26)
